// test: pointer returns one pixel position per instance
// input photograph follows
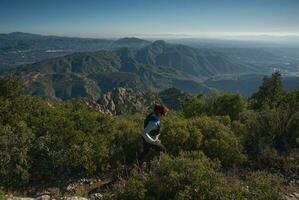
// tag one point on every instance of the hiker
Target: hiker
(151, 130)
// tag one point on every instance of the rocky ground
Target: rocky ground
(95, 189)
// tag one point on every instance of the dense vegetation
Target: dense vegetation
(220, 146)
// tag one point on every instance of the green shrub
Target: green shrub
(271, 128)
(15, 143)
(219, 142)
(134, 188)
(214, 104)
(208, 134)
(2, 195)
(10, 87)
(125, 139)
(193, 106)
(179, 134)
(264, 186)
(191, 175)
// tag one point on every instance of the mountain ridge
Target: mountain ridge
(137, 64)
(122, 67)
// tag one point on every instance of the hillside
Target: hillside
(141, 65)
(155, 67)
(199, 62)
(219, 146)
(22, 48)
(247, 84)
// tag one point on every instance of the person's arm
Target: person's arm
(151, 126)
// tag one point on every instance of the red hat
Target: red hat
(161, 109)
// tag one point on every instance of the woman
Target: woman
(151, 131)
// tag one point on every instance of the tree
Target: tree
(268, 92)
(214, 104)
(10, 86)
(229, 104)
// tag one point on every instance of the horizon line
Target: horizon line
(206, 35)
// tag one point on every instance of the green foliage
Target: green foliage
(271, 134)
(268, 93)
(179, 134)
(2, 195)
(220, 142)
(193, 106)
(47, 142)
(191, 175)
(214, 104)
(264, 186)
(71, 141)
(202, 133)
(229, 104)
(10, 87)
(125, 136)
(15, 143)
(133, 188)
(275, 128)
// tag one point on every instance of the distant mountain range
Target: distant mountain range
(28, 41)
(134, 63)
(154, 67)
(247, 84)
(22, 48)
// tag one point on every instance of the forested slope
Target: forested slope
(220, 146)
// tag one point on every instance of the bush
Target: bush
(264, 186)
(125, 139)
(179, 134)
(191, 175)
(10, 87)
(2, 195)
(219, 142)
(208, 134)
(134, 188)
(214, 104)
(71, 141)
(271, 128)
(15, 143)
(46, 142)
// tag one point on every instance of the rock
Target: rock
(291, 195)
(96, 196)
(125, 100)
(74, 198)
(43, 197)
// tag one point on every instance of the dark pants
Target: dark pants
(146, 148)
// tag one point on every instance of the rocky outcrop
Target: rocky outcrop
(127, 101)
(124, 100)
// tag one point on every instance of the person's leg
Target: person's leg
(159, 148)
(145, 151)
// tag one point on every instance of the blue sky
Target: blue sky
(113, 18)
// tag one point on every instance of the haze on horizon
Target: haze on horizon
(155, 18)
